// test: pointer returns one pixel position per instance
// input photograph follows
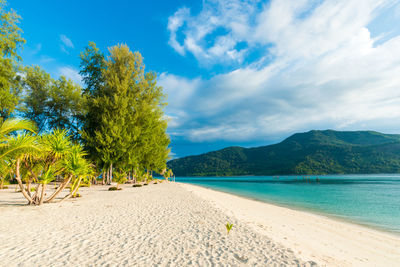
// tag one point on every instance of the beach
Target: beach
(175, 224)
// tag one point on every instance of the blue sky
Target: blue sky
(244, 73)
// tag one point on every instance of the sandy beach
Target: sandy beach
(312, 237)
(172, 224)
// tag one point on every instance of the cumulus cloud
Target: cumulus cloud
(319, 67)
(212, 35)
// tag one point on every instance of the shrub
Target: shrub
(145, 184)
(114, 188)
(137, 185)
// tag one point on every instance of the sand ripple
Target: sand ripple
(157, 225)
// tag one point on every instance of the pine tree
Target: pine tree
(10, 42)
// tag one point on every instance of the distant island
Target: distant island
(314, 152)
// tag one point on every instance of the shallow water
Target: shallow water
(372, 200)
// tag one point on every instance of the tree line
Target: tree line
(112, 127)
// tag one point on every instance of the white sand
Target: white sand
(156, 225)
(312, 237)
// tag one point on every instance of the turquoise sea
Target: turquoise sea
(371, 200)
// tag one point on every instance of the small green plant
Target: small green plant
(33, 189)
(228, 227)
(114, 188)
(120, 178)
(137, 185)
(145, 184)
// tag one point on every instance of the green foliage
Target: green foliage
(124, 127)
(114, 188)
(137, 185)
(92, 66)
(167, 174)
(10, 42)
(40, 159)
(17, 146)
(53, 104)
(120, 177)
(314, 152)
(37, 84)
(118, 117)
(228, 227)
(65, 106)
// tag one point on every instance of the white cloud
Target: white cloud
(226, 22)
(70, 73)
(66, 44)
(66, 41)
(174, 23)
(320, 68)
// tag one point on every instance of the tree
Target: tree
(53, 104)
(92, 66)
(124, 126)
(5, 170)
(10, 42)
(42, 159)
(77, 168)
(7, 128)
(37, 85)
(111, 108)
(65, 106)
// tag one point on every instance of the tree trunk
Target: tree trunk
(108, 176)
(42, 194)
(111, 170)
(35, 196)
(104, 178)
(61, 188)
(77, 187)
(2, 183)
(73, 192)
(18, 178)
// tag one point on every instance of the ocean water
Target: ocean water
(371, 200)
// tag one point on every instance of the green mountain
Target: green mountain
(313, 152)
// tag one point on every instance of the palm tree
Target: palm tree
(22, 147)
(7, 129)
(77, 168)
(12, 146)
(5, 170)
(119, 177)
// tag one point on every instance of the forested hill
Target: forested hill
(313, 152)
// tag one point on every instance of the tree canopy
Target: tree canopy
(64, 131)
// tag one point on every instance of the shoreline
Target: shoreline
(300, 208)
(342, 243)
(181, 224)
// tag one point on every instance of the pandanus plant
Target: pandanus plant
(120, 177)
(6, 170)
(78, 169)
(40, 159)
(14, 148)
